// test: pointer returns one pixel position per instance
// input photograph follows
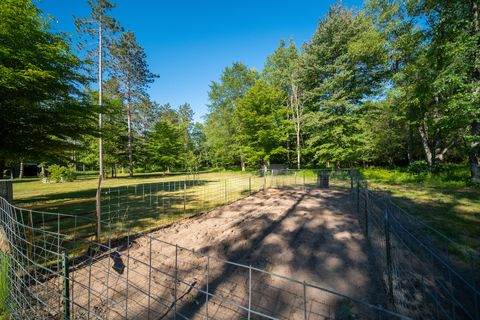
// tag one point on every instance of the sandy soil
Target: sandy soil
(311, 236)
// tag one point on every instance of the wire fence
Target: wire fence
(420, 278)
(59, 268)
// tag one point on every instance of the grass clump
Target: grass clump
(4, 285)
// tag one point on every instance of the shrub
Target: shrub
(61, 173)
(420, 166)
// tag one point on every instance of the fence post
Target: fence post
(175, 284)
(305, 314)
(249, 291)
(249, 185)
(99, 208)
(358, 196)
(388, 254)
(265, 180)
(366, 209)
(351, 180)
(304, 181)
(66, 287)
(208, 280)
(30, 234)
(6, 190)
(184, 197)
(225, 191)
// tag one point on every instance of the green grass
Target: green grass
(443, 201)
(4, 285)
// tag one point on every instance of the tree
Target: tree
(281, 70)
(342, 66)
(165, 145)
(43, 109)
(223, 95)
(185, 118)
(102, 27)
(454, 50)
(260, 117)
(131, 69)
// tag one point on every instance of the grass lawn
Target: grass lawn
(443, 201)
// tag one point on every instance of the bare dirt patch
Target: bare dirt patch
(311, 236)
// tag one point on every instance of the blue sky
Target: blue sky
(189, 43)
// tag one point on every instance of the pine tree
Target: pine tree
(102, 27)
(130, 67)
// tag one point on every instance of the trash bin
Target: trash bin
(323, 180)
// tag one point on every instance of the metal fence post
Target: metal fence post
(175, 284)
(208, 279)
(358, 196)
(265, 180)
(366, 209)
(304, 181)
(305, 316)
(388, 254)
(184, 197)
(66, 287)
(225, 191)
(30, 234)
(249, 185)
(351, 180)
(249, 291)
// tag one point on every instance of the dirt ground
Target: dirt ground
(311, 236)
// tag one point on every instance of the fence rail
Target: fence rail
(58, 269)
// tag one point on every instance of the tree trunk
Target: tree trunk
(129, 120)
(474, 153)
(2, 168)
(475, 125)
(298, 149)
(20, 174)
(410, 136)
(242, 163)
(426, 147)
(297, 114)
(100, 71)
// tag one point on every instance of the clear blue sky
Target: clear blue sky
(189, 43)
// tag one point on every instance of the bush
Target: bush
(61, 173)
(420, 166)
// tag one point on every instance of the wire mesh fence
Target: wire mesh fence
(58, 268)
(420, 278)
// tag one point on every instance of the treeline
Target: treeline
(395, 83)
(88, 110)
(392, 84)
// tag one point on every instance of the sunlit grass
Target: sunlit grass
(444, 201)
(4, 285)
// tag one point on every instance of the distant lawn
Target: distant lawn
(444, 201)
(32, 193)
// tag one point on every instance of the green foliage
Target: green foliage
(340, 67)
(165, 145)
(418, 167)
(61, 174)
(260, 118)
(219, 129)
(43, 109)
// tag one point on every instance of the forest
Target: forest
(395, 83)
